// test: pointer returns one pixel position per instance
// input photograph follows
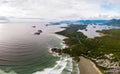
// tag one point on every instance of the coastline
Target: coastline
(71, 68)
(61, 37)
(92, 70)
(96, 67)
(61, 62)
(86, 66)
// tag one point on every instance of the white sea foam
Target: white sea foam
(3, 72)
(63, 66)
(64, 45)
(57, 69)
(75, 68)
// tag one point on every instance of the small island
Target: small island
(38, 32)
(34, 26)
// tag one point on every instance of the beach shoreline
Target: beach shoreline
(61, 37)
(86, 66)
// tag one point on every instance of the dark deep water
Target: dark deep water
(22, 51)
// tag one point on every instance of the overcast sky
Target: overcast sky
(60, 9)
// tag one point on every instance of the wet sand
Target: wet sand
(87, 67)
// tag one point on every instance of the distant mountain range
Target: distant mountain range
(79, 22)
(91, 21)
(115, 22)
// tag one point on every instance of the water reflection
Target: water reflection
(91, 29)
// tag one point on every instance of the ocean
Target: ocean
(23, 52)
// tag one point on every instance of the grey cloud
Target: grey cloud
(55, 9)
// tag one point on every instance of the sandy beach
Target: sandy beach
(60, 36)
(102, 34)
(87, 67)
